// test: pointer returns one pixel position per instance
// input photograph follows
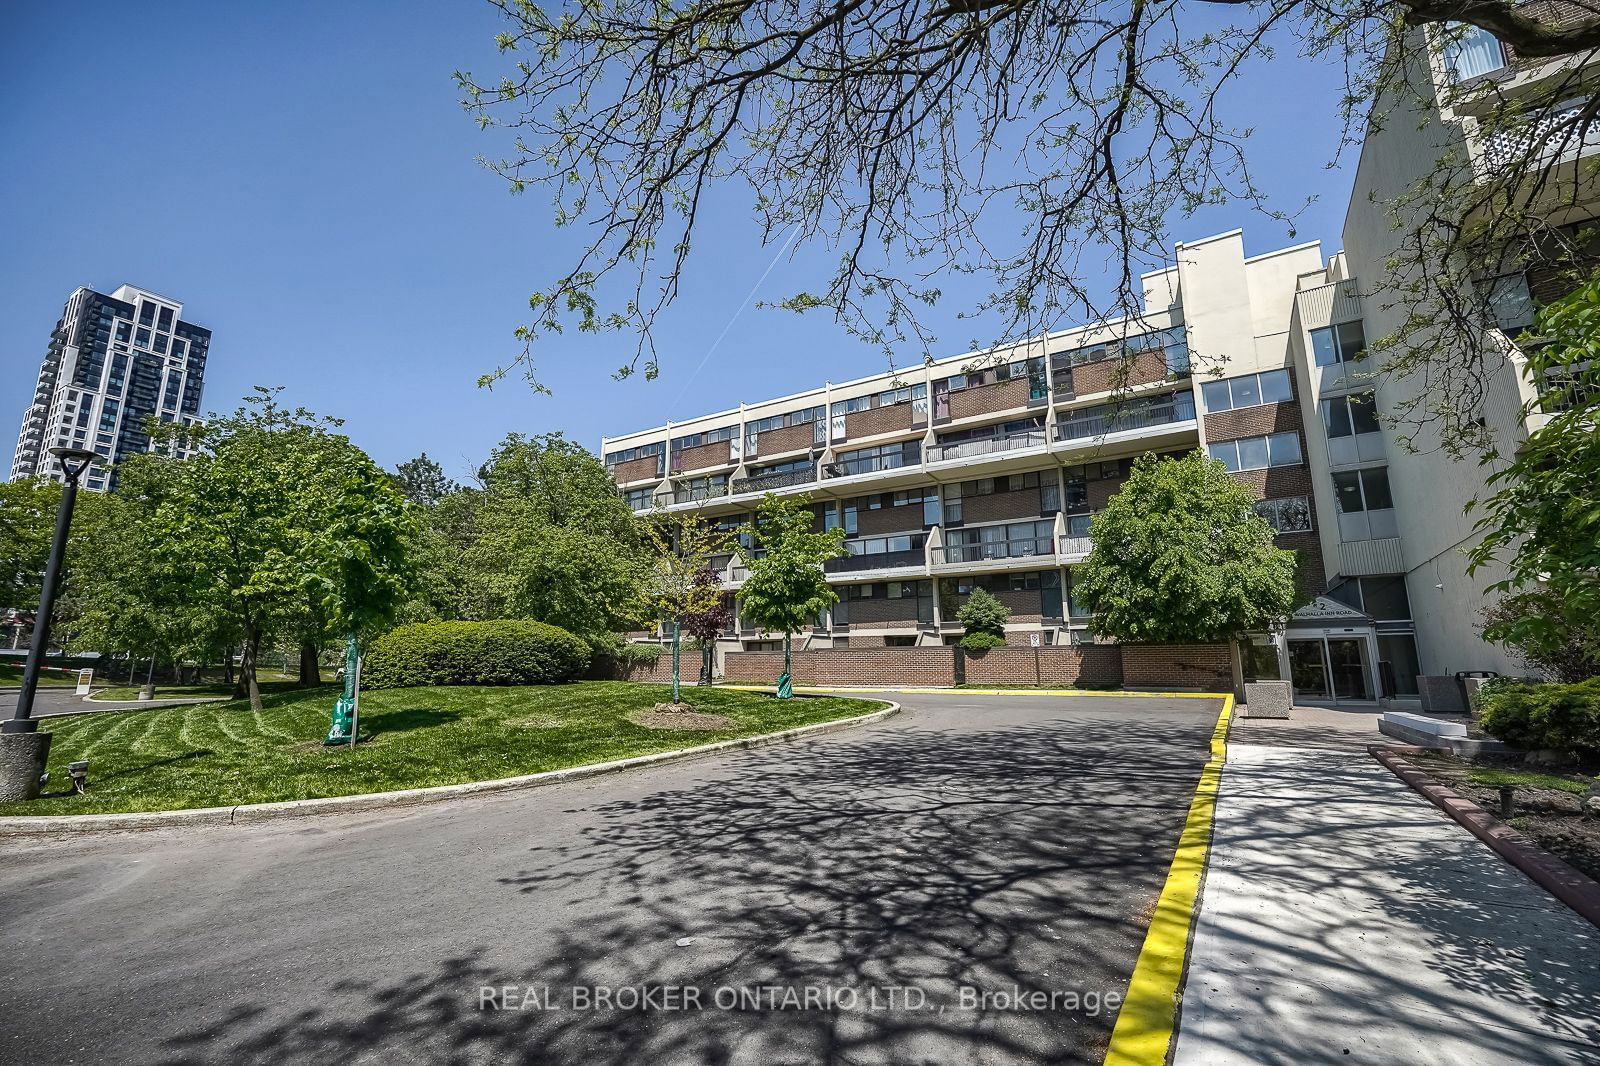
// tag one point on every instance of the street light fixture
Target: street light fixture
(23, 750)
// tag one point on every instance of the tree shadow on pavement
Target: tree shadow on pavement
(1005, 855)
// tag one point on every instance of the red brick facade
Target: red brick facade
(1085, 664)
(1146, 368)
(637, 470)
(890, 419)
(847, 666)
(786, 439)
(1101, 491)
(989, 399)
(1310, 575)
(1002, 506)
(907, 519)
(1277, 481)
(703, 456)
(1203, 667)
(1253, 422)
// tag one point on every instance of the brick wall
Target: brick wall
(1002, 506)
(704, 455)
(786, 439)
(989, 399)
(1278, 481)
(1091, 664)
(1310, 575)
(636, 470)
(1101, 491)
(1205, 667)
(880, 611)
(1144, 369)
(847, 666)
(1253, 422)
(604, 668)
(890, 419)
(906, 519)
(1202, 667)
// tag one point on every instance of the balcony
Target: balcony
(1123, 418)
(698, 493)
(1553, 136)
(999, 549)
(872, 464)
(849, 564)
(773, 482)
(990, 446)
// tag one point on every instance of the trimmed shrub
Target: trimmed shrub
(1563, 718)
(643, 654)
(507, 652)
(982, 641)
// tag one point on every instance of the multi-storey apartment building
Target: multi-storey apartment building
(1495, 112)
(984, 470)
(113, 363)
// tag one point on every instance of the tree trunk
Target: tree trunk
(676, 690)
(247, 669)
(310, 673)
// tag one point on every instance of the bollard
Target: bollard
(1507, 805)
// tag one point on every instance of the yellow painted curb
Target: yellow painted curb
(1149, 1013)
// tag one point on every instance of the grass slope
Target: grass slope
(217, 754)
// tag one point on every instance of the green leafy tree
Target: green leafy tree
(1542, 520)
(681, 548)
(705, 625)
(27, 521)
(985, 619)
(423, 481)
(875, 127)
(548, 537)
(1565, 644)
(1180, 554)
(787, 587)
(277, 511)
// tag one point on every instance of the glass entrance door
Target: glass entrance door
(1308, 671)
(1347, 662)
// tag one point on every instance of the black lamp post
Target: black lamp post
(74, 461)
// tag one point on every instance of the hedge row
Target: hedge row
(1563, 718)
(474, 653)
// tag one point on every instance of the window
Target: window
(1288, 514)
(882, 399)
(1510, 302)
(638, 499)
(1251, 390)
(1362, 490)
(142, 338)
(899, 542)
(710, 436)
(899, 642)
(883, 457)
(1473, 51)
(1258, 453)
(1384, 598)
(1343, 343)
(1347, 415)
(626, 455)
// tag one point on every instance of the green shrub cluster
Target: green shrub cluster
(982, 641)
(474, 653)
(642, 654)
(1564, 718)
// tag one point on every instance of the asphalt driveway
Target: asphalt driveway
(877, 895)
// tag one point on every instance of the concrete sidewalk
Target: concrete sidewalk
(1345, 919)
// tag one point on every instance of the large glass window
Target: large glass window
(1382, 597)
(1362, 490)
(884, 457)
(1258, 453)
(1472, 52)
(1251, 390)
(1511, 303)
(1342, 343)
(1347, 415)
(1287, 514)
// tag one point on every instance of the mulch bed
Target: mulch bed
(1553, 819)
(679, 716)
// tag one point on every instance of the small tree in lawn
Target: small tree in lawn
(704, 626)
(787, 586)
(676, 585)
(1180, 554)
(985, 618)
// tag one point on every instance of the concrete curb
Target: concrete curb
(1566, 883)
(169, 701)
(255, 813)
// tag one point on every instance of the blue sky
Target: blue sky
(301, 176)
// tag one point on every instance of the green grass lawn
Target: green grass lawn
(1494, 777)
(217, 754)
